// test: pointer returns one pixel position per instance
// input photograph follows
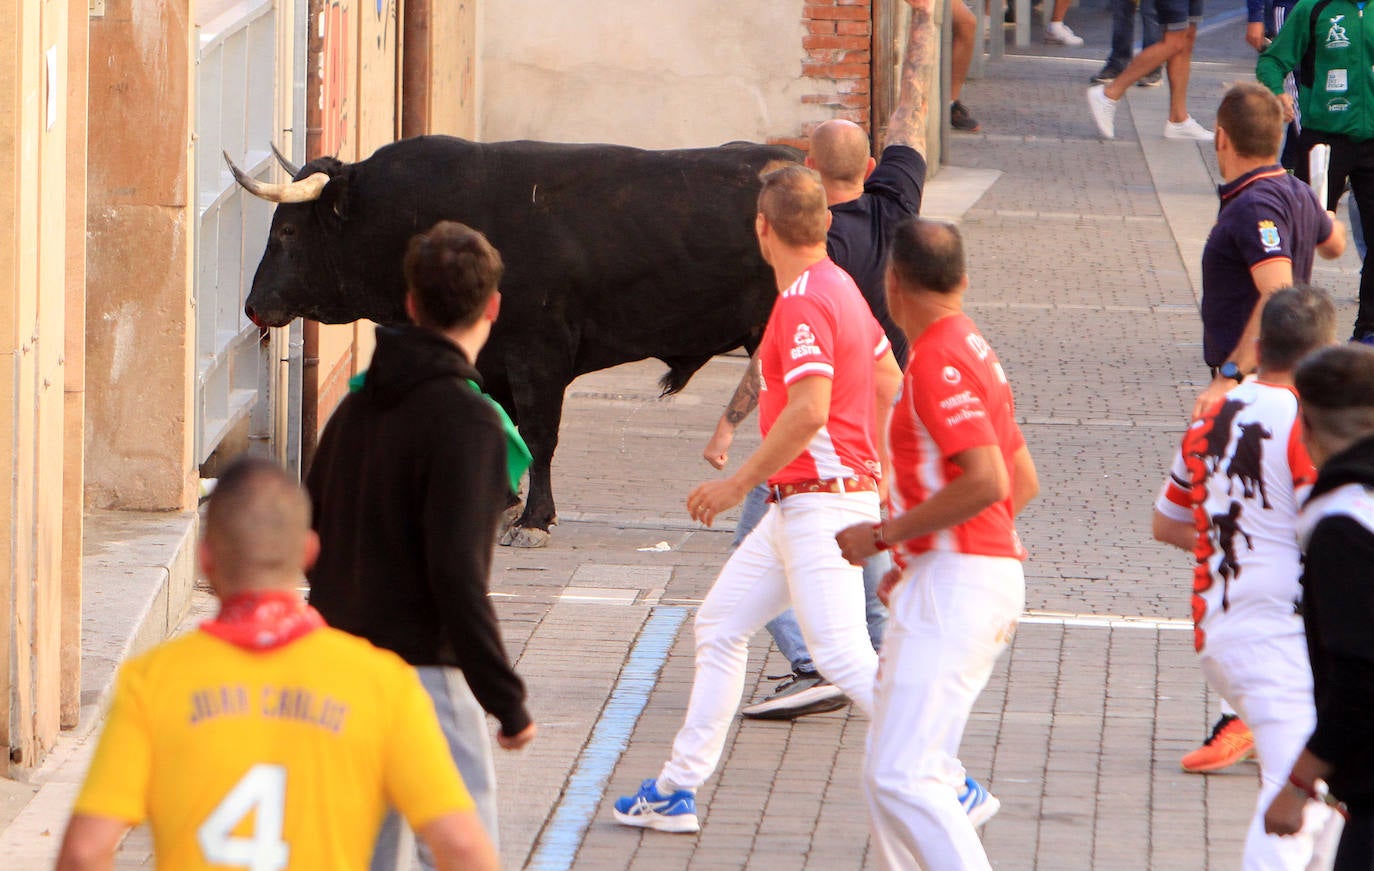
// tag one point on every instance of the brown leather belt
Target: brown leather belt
(857, 484)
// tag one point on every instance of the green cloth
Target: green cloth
(518, 457)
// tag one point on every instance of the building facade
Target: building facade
(127, 368)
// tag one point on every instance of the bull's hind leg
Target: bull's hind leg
(538, 396)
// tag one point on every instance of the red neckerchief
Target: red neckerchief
(263, 620)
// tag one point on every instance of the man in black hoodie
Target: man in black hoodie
(408, 484)
(1336, 530)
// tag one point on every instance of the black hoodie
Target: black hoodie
(408, 485)
(1337, 532)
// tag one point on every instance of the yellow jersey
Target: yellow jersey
(270, 760)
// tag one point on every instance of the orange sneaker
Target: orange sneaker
(1231, 742)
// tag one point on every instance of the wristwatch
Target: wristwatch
(1229, 369)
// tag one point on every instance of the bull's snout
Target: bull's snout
(265, 314)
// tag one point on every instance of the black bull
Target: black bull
(612, 254)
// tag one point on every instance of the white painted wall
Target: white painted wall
(652, 73)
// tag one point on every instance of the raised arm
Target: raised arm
(908, 123)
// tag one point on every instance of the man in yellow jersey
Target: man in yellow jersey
(266, 740)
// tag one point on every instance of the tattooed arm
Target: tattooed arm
(744, 401)
(908, 123)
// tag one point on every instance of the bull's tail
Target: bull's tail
(680, 371)
(674, 380)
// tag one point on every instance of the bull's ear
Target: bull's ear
(332, 206)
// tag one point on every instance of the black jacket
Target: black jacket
(1337, 529)
(408, 485)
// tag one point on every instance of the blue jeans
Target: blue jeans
(784, 628)
(1123, 30)
(464, 724)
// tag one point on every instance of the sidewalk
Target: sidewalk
(1084, 267)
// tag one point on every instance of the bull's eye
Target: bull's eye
(286, 230)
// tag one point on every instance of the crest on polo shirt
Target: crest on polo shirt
(1269, 236)
(804, 343)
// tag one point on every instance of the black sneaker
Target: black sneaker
(1106, 75)
(798, 695)
(1151, 80)
(960, 119)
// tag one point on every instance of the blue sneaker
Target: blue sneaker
(979, 804)
(665, 813)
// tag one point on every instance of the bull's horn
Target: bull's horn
(291, 168)
(302, 191)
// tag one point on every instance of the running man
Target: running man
(829, 379)
(961, 473)
(866, 199)
(267, 740)
(1248, 629)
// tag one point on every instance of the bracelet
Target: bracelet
(1308, 790)
(878, 541)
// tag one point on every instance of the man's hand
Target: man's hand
(519, 740)
(1284, 816)
(856, 543)
(1288, 114)
(1254, 35)
(887, 585)
(717, 451)
(1215, 392)
(713, 497)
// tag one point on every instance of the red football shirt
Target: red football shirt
(822, 326)
(956, 397)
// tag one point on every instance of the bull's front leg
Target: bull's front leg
(538, 397)
(531, 529)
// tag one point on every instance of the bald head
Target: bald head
(839, 151)
(257, 528)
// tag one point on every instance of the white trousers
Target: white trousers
(1269, 681)
(790, 559)
(949, 619)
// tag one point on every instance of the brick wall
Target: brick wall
(837, 57)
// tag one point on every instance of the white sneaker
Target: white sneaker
(1104, 111)
(1187, 129)
(1058, 33)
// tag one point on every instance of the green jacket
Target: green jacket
(1336, 93)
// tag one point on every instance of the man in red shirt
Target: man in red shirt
(961, 473)
(828, 382)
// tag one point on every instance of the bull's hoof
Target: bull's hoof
(507, 521)
(525, 536)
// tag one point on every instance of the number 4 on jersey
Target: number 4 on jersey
(262, 792)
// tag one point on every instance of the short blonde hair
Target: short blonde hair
(793, 202)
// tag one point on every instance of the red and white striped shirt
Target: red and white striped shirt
(822, 326)
(956, 397)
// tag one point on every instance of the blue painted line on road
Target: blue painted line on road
(563, 836)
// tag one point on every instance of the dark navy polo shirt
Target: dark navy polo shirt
(861, 229)
(1265, 215)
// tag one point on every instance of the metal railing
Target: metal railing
(236, 66)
